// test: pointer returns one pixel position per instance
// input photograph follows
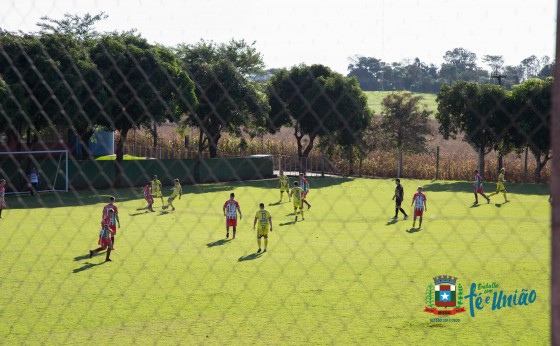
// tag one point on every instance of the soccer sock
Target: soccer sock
(113, 240)
(301, 212)
(234, 230)
(396, 212)
(265, 242)
(259, 242)
(108, 254)
(402, 211)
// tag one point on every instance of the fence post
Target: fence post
(437, 162)
(525, 176)
(134, 143)
(186, 147)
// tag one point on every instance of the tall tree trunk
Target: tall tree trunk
(119, 173)
(500, 161)
(399, 162)
(84, 137)
(198, 159)
(481, 155)
(306, 152)
(350, 160)
(155, 135)
(539, 165)
(213, 146)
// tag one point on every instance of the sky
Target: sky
(291, 32)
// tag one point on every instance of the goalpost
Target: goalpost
(51, 166)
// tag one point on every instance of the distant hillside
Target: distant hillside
(375, 98)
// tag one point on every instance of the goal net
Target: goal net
(51, 167)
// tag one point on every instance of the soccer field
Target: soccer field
(345, 275)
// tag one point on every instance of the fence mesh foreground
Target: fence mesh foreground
(186, 195)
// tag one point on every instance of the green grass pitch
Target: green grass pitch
(345, 275)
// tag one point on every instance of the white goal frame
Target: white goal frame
(64, 153)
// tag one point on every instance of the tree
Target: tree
(404, 125)
(368, 72)
(531, 67)
(229, 101)
(145, 84)
(531, 108)
(80, 27)
(461, 58)
(316, 102)
(474, 110)
(495, 62)
(68, 43)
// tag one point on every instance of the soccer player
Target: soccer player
(2, 196)
(296, 194)
(284, 183)
(500, 185)
(398, 197)
(114, 218)
(231, 207)
(177, 192)
(304, 184)
(148, 197)
(478, 187)
(156, 189)
(419, 202)
(264, 219)
(105, 236)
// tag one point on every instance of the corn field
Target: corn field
(457, 160)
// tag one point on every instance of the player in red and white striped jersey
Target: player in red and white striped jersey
(231, 207)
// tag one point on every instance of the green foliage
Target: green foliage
(317, 102)
(531, 109)
(430, 296)
(228, 100)
(476, 111)
(459, 295)
(405, 124)
(145, 83)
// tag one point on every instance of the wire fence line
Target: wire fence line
(340, 268)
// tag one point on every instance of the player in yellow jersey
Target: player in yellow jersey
(177, 192)
(500, 185)
(284, 183)
(264, 220)
(156, 189)
(297, 197)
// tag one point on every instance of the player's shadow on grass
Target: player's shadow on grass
(392, 222)
(163, 212)
(218, 242)
(139, 213)
(287, 223)
(413, 230)
(86, 266)
(250, 257)
(275, 204)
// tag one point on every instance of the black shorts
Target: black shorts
(398, 202)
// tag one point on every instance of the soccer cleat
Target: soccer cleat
(394, 218)
(173, 209)
(487, 200)
(259, 250)
(90, 253)
(302, 219)
(108, 260)
(296, 218)
(264, 250)
(227, 235)
(406, 217)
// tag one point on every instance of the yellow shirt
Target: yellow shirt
(156, 184)
(501, 178)
(177, 190)
(296, 192)
(283, 181)
(262, 217)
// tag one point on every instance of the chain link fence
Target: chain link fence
(155, 195)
